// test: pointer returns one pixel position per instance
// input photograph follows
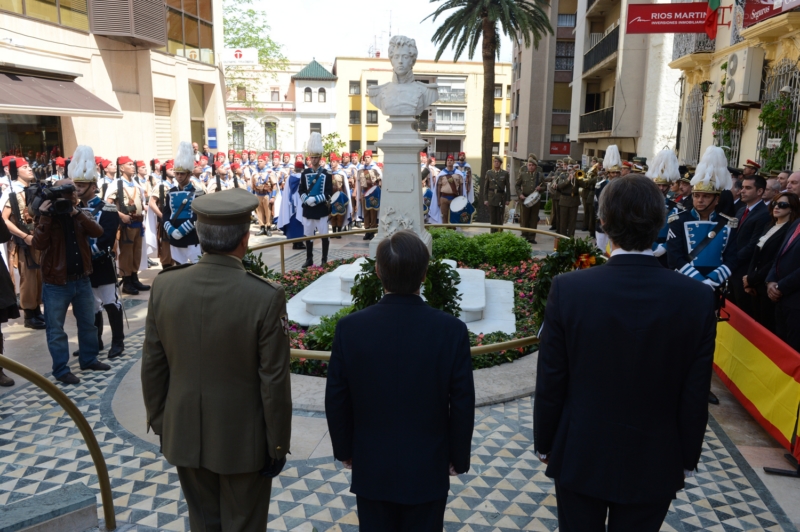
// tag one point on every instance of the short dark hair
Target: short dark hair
(737, 183)
(402, 261)
(632, 211)
(758, 181)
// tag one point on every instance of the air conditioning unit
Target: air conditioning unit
(138, 22)
(743, 85)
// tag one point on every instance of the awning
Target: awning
(31, 95)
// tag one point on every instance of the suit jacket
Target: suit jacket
(764, 258)
(748, 233)
(786, 270)
(623, 417)
(400, 399)
(215, 367)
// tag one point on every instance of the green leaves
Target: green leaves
(494, 249)
(367, 288)
(320, 337)
(441, 290)
(776, 117)
(332, 143)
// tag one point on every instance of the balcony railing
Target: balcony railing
(601, 120)
(565, 63)
(603, 49)
(448, 128)
(456, 96)
(691, 43)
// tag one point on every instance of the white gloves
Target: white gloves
(710, 283)
(311, 201)
(176, 234)
(660, 250)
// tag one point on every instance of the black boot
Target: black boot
(366, 236)
(298, 245)
(309, 254)
(115, 321)
(98, 322)
(269, 231)
(32, 320)
(712, 399)
(325, 243)
(5, 380)
(128, 288)
(262, 232)
(139, 286)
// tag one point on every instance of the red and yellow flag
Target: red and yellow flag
(711, 19)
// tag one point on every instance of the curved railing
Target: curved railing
(86, 431)
(474, 351)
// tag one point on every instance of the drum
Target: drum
(427, 197)
(533, 199)
(372, 198)
(461, 211)
(338, 203)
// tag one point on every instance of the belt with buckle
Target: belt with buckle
(76, 277)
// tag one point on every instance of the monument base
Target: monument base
(401, 191)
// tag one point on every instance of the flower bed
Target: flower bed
(531, 278)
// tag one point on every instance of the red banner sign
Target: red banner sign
(559, 148)
(757, 10)
(667, 18)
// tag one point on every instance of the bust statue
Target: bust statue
(403, 96)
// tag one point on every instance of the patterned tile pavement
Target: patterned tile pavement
(41, 450)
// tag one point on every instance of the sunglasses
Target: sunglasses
(782, 205)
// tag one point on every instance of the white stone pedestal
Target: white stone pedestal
(401, 194)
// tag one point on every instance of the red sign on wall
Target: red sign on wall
(667, 18)
(559, 148)
(757, 10)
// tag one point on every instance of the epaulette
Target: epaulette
(178, 267)
(680, 207)
(673, 218)
(733, 222)
(273, 285)
(109, 207)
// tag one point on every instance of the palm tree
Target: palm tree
(471, 20)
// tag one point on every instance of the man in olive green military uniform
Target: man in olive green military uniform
(496, 192)
(569, 188)
(220, 402)
(587, 195)
(529, 181)
(555, 195)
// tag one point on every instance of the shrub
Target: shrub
(367, 288)
(503, 248)
(320, 337)
(441, 287)
(449, 244)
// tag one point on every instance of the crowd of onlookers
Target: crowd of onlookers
(766, 282)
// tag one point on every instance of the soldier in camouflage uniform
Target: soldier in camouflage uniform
(496, 192)
(530, 180)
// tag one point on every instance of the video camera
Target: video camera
(58, 203)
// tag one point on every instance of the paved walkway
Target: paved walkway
(506, 489)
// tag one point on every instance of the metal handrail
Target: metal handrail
(86, 431)
(473, 351)
(282, 243)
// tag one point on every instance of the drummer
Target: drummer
(529, 183)
(448, 187)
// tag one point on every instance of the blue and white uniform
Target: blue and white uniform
(715, 262)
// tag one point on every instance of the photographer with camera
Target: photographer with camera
(19, 218)
(62, 236)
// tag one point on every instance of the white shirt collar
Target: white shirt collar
(753, 206)
(620, 251)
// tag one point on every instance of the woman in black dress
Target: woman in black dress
(785, 210)
(8, 300)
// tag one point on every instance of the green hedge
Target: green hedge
(494, 249)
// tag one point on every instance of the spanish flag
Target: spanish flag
(762, 372)
(711, 19)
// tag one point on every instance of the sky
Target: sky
(325, 29)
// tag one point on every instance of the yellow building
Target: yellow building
(450, 125)
(727, 82)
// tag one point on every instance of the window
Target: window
(355, 117)
(498, 91)
(307, 95)
(559, 138)
(372, 83)
(69, 13)
(316, 127)
(372, 117)
(355, 87)
(190, 31)
(508, 119)
(565, 53)
(371, 146)
(270, 136)
(567, 20)
(497, 120)
(516, 109)
(508, 91)
(355, 146)
(274, 95)
(495, 148)
(321, 96)
(237, 135)
(241, 93)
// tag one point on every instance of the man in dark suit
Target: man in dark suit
(753, 217)
(401, 406)
(621, 423)
(783, 287)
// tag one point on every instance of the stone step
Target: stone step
(71, 508)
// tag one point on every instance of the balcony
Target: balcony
(604, 48)
(596, 121)
(453, 96)
(691, 43)
(452, 127)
